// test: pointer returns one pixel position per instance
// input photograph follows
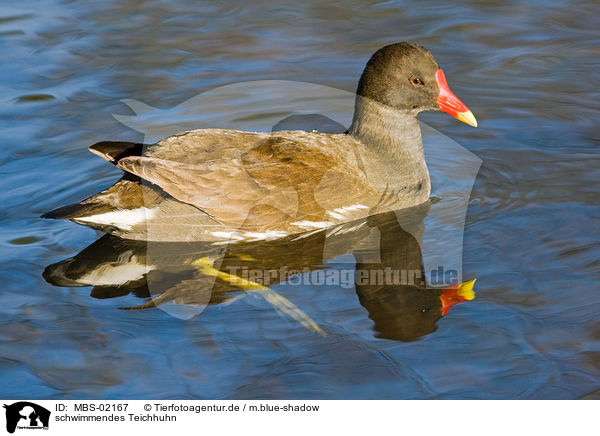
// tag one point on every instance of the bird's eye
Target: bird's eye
(416, 81)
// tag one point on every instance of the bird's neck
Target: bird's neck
(392, 149)
(391, 133)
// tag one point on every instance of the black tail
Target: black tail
(125, 194)
(112, 151)
(75, 210)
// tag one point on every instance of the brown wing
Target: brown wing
(256, 181)
(223, 190)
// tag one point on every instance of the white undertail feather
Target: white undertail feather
(122, 219)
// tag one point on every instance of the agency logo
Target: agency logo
(26, 415)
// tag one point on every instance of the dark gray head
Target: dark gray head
(406, 77)
(401, 76)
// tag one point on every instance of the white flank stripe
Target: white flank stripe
(309, 225)
(340, 230)
(247, 236)
(354, 207)
(335, 215)
(306, 234)
(227, 235)
(344, 213)
(268, 235)
(122, 219)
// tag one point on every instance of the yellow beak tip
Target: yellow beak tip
(465, 289)
(467, 117)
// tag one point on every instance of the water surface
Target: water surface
(531, 236)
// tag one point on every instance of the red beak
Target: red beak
(449, 103)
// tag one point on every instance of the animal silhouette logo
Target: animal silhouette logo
(24, 414)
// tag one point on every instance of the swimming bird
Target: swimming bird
(219, 185)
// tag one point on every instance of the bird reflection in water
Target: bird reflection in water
(388, 273)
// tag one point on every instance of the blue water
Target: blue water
(527, 71)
